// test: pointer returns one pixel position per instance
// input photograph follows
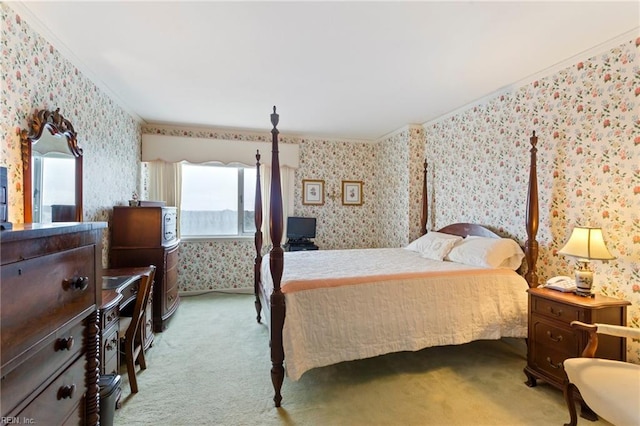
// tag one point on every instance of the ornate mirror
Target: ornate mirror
(52, 169)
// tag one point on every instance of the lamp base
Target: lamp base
(584, 282)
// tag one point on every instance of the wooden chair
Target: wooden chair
(130, 333)
(610, 388)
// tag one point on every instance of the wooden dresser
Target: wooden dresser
(143, 236)
(50, 293)
(551, 339)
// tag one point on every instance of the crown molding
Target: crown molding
(266, 133)
(406, 127)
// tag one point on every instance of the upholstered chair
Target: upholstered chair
(610, 388)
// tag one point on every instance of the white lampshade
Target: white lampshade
(586, 243)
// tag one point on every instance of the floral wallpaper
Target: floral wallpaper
(586, 118)
(400, 179)
(205, 265)
(36, 76)
(340, 226)
(588, 127)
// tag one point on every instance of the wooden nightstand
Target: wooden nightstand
(551, 340)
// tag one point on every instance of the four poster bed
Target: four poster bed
(344, 305)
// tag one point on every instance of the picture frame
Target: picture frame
(352, 193)
(312, 192)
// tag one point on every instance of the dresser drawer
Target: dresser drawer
(169, 226)
(60, 402)
(109, 317)
(171, 297)
(41, 294)
(55, 353)
(556, 310)
(171, 277)
(554, 336)
(171, 262)
(110, 351)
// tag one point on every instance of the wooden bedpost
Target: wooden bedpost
(258, 239)
(276, 262)
(531, 246)
(425, 202)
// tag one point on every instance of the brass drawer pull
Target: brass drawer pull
(555, 339)
(76, 283)
(558, 313)
(64, 343)
(66, 392)
(112, 344)
(556, 366)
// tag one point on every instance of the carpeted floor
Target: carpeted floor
(211, 367)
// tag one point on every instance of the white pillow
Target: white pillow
(487, 253)
(434, 245)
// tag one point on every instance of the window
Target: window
(217, 200)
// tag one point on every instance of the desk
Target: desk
(119, 292)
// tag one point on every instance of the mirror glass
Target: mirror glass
(53, 178)
(52, 170)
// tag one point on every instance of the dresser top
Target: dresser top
(23, 231)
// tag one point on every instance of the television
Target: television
(301, 228)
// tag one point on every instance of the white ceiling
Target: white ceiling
(335, 69)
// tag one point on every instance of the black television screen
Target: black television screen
(301, 228)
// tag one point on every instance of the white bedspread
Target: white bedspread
(393, 309)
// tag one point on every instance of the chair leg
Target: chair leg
(587, 413)
(142, 360)
(571, 403)
(131, 368)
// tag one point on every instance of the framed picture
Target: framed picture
(351, 193)
(312, 192)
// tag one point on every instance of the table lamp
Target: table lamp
(585, 244)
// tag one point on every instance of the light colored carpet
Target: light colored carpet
(211, 367)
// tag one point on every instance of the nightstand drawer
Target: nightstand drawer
(556, 310)
(550, 361)
(555, 337)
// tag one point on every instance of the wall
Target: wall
(585, 115)
(36, 76)
(400, 177)
(340, 226)
(227, 264)
(586, 118)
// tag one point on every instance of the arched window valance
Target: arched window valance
(173, 149)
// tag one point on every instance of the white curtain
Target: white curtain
(287, 176)
(165, 184)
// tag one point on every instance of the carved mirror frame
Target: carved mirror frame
(54, 123)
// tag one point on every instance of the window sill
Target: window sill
(205, 238)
